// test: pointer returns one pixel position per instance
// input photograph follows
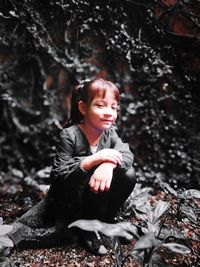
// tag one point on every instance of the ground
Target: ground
(14, 201)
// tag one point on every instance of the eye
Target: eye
(114, 108)
(99, 105)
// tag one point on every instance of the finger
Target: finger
(107, 185)
(119, 156)
(110, 153)
(111, 160)
(92, 189)
(116, 159)
(119, 159)
(96, 186)
(115, 152)
(102, 186)
(92, 182)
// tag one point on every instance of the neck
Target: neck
(93, 136)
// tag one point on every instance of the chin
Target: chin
(107, 126)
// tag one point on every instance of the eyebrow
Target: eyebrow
(103, 101)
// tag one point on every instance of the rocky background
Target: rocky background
(150, 49)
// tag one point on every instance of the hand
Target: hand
(109, 155)
(102, 177)
(104, 155)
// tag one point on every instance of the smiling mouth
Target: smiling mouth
(108, 121)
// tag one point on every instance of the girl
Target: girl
(92, 175)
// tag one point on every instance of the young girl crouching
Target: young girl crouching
(92, 175)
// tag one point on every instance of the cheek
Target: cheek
(115, 116)
(96, 113)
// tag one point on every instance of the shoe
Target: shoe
(93, 242)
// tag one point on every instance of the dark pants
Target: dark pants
(72, 199)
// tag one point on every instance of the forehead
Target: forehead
(105, 95)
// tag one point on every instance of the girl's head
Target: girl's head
(86, 92)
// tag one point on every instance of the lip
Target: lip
(107, 121)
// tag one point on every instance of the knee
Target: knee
(129, 175)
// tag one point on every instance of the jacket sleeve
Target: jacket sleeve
(64, 162)
(123, 148)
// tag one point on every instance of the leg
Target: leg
(121, 188)
(31, 229)
(74, 201)
(35, 217)
(67, 197)
(104, 206)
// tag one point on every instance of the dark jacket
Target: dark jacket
(74, 147)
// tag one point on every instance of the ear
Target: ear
(82, 107)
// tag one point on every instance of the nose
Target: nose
(108, 111)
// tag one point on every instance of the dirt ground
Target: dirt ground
(14, 202)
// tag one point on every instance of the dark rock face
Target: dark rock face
(151, 51)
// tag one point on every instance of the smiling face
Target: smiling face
(101, 114)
